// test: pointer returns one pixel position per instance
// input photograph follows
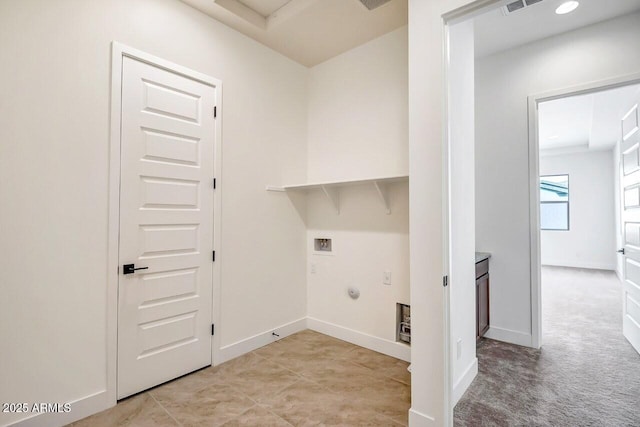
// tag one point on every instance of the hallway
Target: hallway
(586, 373)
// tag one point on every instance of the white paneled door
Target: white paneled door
(166, 226)
(630, 153)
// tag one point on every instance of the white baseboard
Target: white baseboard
(465, 381)
(418, 419)
(246, 345)
(80, 408)
(507, 335)
(390, 348)
(580, 264)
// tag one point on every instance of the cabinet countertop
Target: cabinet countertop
(481, 256)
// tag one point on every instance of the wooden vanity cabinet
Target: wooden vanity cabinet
(482, 298)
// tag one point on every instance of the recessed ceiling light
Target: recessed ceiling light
(567, 7)
(554, 137)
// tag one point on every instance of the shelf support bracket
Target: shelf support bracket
(333, 194)
(273, 188)
(384, 195)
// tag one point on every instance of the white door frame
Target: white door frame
(118, 52)
(462, 14)
(534, 192)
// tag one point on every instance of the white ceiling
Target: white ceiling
(307, 31)
(584, 122)
(496, 32)
(313, 31)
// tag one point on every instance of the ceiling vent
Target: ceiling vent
(517, 5)
(372, 4)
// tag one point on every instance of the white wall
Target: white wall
(590, 241)
(461, 212)
(54, 174)
(503, 82)
(358, 121)
(366, 243)
(358, 129)
(430, 403)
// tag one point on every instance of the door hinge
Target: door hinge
(213, 329)
(445, 281)
(213, 257)
(214, 183)
(215, 112)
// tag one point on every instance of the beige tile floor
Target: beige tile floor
(306, 379)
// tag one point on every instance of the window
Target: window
(554, 202)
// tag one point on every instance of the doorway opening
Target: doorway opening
(511, 63)
(588, 156)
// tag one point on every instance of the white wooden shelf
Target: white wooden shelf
(331, 189)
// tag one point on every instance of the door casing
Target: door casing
(534, 193)
(118, 52)
(467, 12)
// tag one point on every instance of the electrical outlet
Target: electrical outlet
(386, 278)
(459, 348)
(313, 268)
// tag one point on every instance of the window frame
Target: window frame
(568, 203)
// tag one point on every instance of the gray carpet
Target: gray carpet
(586, 373)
